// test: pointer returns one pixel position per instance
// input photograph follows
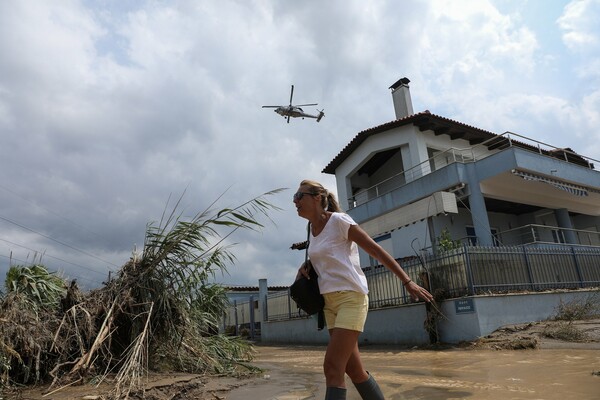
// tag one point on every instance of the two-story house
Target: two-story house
(409, 180)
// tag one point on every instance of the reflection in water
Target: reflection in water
(451, 374)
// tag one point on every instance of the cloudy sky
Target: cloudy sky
(110, 107)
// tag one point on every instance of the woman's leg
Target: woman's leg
(341, 347)
(345, 347)
(354, 367)
(364, 382)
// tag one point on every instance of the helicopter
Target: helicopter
(295, 111)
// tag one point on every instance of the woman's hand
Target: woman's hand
(417, 292)
(304, 270)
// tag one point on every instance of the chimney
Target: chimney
(401, 96)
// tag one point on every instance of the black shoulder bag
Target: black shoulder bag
(305, 292)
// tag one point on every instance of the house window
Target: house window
(472, 238)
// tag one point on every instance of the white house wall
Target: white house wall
(401, 246)
(415, 235)
(414, 153)
(444, 142)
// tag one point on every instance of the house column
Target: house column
(564, 221)
(479, 215)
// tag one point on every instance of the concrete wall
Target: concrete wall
(398, 325)
(492, 312)
(463, 319)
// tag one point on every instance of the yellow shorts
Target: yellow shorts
(346, 309)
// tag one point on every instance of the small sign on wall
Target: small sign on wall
(464, 306)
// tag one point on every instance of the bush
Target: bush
(564, 331)
(578, 309)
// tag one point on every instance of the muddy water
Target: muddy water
(293, 373)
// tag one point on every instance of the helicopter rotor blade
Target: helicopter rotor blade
(270, 106)
(302, 105)
(291, 95)
(288, 119)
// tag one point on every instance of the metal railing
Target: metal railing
(440, 160)
(472, 270)
(467, 155)
(544, 234)
(239, 315)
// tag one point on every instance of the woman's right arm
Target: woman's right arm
(361, 238)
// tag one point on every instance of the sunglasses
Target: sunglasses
(299, 195)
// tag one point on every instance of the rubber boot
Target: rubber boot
(369, 389)
(335, 393)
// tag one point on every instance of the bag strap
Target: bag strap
(321, 314)
(307, 242)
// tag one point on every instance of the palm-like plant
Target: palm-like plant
(36, 283)
(171, 278)
(160, 307)
(27, 315)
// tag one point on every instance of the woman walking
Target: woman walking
(333, 251)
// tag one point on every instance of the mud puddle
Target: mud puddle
(293, 373)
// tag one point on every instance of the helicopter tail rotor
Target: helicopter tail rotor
(321, 115)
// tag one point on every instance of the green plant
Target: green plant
(160, 310)
(445, 241)
(169, 284)
(42, 287)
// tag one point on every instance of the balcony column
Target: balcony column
(479, 215)
(564, 221)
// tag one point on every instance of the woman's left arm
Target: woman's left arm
(362, 239)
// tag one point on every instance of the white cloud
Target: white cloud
(108, 108)
(579, 23)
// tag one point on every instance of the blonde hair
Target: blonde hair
(328, 200)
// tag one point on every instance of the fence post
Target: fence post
(577, 268)
(266, 309)
(470, 282)
(251, 306)
(237, 333)
(289, 297)
(527, 264)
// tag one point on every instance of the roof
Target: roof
(424, 120)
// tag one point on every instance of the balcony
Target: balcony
(541, 235)
(463, 156)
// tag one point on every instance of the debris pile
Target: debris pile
(160, 310)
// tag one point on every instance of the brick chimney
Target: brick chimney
(401, 96)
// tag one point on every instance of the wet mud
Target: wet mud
(294, 373)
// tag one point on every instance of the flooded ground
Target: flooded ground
(489, 368)
(293, 373)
